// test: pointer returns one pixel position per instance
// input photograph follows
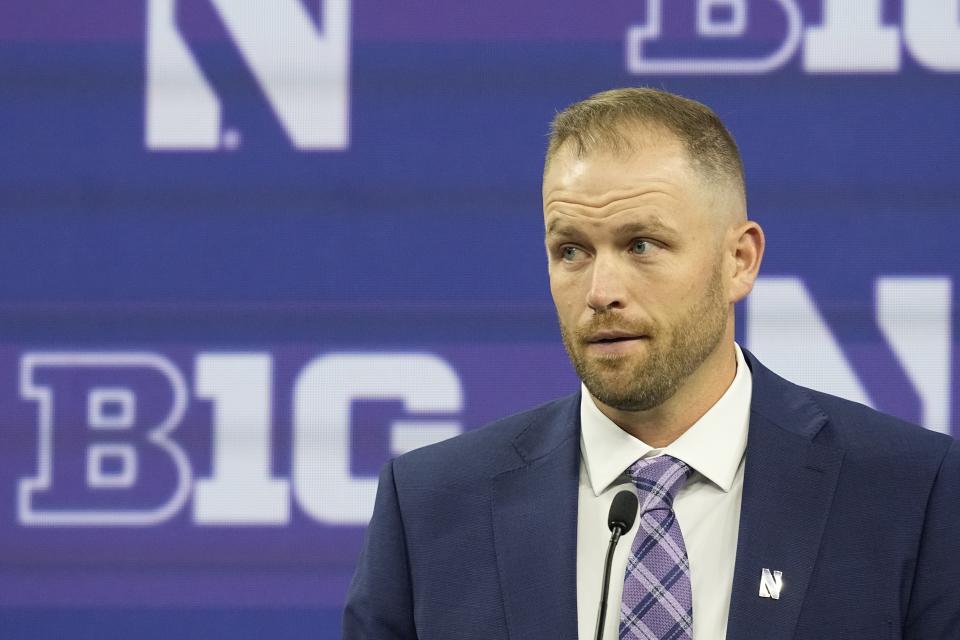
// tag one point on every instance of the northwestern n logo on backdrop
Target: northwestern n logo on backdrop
(303, 76)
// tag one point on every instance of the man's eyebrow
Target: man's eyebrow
(651, 225)
(559, 228)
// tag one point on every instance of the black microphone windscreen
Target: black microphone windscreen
(623, 511)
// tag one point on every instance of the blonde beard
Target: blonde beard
(673, 354)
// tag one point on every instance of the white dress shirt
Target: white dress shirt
(707, 507)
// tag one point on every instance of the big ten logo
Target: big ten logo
(760, 36)
(296, 61)
(109, 451)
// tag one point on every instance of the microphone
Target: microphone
(622, 514)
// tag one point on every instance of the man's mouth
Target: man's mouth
(612, 338)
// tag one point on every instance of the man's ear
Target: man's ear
(745, 246)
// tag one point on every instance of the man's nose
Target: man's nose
(606, 285)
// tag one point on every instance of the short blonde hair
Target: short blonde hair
(603, 121)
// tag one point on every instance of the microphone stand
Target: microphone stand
(623, 512)
(614, 539)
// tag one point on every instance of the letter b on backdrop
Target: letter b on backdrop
(119, 409)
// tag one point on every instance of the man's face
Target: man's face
(635, 260)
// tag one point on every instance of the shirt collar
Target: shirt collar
(713, 446)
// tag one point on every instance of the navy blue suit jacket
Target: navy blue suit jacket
(476, 537)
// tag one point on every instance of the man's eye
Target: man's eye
(570, 253)
(640, 247)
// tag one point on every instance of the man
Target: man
(767, 510)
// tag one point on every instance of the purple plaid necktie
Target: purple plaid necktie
(657, 603)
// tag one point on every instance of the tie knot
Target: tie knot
(658, 480)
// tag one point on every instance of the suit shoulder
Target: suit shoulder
(861, 427)
(832, 420)
(479, 452)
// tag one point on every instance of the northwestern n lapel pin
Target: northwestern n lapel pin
(771, 582)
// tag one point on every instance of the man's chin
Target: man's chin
(617, 399)
(609, 390)
(629, 399)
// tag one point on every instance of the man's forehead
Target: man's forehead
(619, 141)
(572, 168)
(603, 185)
(601, 176)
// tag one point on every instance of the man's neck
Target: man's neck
(661, 425)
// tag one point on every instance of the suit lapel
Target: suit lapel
(535, 528)
(788, 487)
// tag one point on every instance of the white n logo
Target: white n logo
(914, 315)
(303, 72)
(771, 582)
